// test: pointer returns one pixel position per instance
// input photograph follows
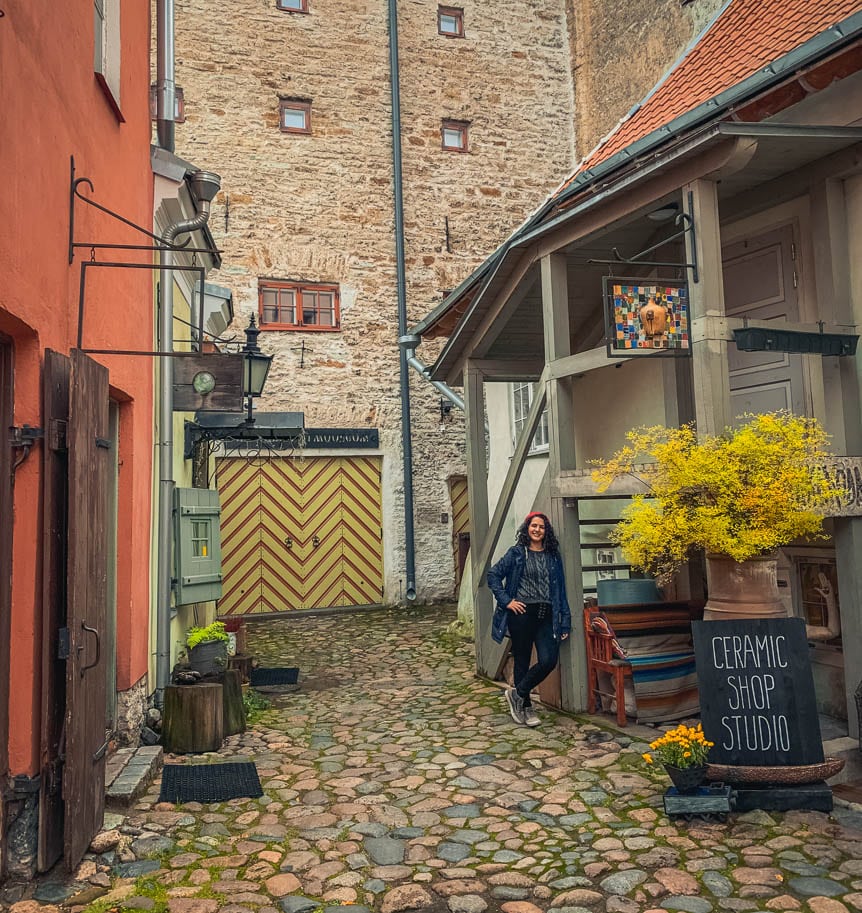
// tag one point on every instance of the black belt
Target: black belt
(541, 610)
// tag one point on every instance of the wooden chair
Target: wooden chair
(600, 658)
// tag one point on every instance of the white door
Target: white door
(760, 282)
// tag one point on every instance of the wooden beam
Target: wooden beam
(580, 363)
(562, 456)
(706, 299)
(477, 493)
(579, 483)
(513, 476)
(509, 369)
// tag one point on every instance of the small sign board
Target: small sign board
(209, 382)
(845, 473)
(757, 692)
(646, 317)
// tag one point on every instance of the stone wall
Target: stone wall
(320, 207)
(131, 710)
(620, 50)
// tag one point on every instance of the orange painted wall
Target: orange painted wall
(54, 108)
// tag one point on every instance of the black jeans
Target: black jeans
(529, 630)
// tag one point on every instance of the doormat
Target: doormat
(274, 677)
(209, 782)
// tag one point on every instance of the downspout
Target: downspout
(410, 343)
(398, 202)
(204, 186)
(166, 90)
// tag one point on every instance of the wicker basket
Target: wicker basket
(795, 775)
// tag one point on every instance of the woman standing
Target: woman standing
(532, 609)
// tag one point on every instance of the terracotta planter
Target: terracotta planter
(742, 589)
(686, 779)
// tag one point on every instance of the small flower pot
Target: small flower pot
(686, 779)
(209, 658)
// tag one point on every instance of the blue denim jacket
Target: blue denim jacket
(510, 568)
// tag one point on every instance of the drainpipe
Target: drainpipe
(406, 437)
(410, 343)
(204, 185)
(166, 89)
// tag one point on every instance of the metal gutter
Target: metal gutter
(401, 283)
(815, 48)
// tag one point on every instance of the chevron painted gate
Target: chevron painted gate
(299, 534)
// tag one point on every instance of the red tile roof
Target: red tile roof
(746, 37)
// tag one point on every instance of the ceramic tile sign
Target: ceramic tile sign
(757, 691)
(645, 317)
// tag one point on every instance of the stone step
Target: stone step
(129, 772)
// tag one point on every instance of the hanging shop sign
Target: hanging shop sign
(646, 317)
(208, 383)
(845, 472)
(341, 438)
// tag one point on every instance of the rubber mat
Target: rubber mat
(274, 677)
(209, 782)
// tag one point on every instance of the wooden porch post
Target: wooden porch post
(564, 514)
(842, 391)
(712, 407)
(477, 492)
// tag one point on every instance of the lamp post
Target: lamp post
(255, 366)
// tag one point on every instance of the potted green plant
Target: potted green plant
(737, 497)
(207, 648)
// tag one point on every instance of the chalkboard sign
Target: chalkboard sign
(757, 692)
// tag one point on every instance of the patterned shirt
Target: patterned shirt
(535, 583)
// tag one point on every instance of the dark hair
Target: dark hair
(552, 544)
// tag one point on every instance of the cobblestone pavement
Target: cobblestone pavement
(396, 780)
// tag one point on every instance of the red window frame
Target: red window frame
(296, 290)
(292, 104)
(303, 7)
(462, 127)
(455, 13)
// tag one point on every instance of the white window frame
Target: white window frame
(521, 397)
(106, 51)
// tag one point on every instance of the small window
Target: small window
(106, 50)
(293, 6)
(522, 399)
(450, 21)
(298, 306)
(294, 116)
(454, 134)
(200, 530)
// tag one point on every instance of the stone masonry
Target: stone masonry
(319, 207)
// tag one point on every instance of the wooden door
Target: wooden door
(300, 533)
(459, 497)
(760, 282)
(55, 417)
(86, 741)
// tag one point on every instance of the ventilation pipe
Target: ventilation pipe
(406, 437)
(166, 89)
(204, 185)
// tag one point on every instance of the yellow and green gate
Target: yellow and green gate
(300, 533)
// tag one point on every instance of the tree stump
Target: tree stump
(242, 663)
(233, 707)
(193, 718)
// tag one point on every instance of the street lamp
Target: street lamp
(255, 366)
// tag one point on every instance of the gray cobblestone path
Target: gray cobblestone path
(395, 780)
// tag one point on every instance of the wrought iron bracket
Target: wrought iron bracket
(160, 245)
(685, 221)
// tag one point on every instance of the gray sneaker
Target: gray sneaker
(531, 718)
(516, 706)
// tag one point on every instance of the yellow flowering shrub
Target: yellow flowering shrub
(685, 746)
(742, 494)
